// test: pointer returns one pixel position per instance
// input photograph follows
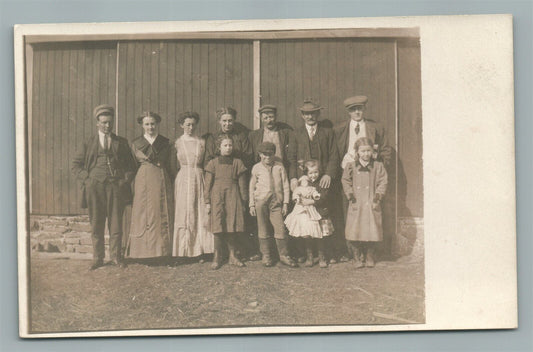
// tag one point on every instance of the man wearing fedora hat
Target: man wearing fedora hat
(313, 141)
(105, 167)
(274, 131)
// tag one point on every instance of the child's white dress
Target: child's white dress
(304, 220)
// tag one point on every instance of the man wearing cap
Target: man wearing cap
(346, 133)
(105, 166)
(269, 201)
(278, 133)
(312, 141)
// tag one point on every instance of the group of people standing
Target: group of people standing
(260, 195)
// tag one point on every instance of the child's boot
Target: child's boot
(357, 255)
(217, 256)
(264, 245)
(309, 252)
(233, 260)
(370, 255)
(283, 251)
(321, 255)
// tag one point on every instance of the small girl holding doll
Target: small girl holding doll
(309, 219)
(364, 182)
(225, 194)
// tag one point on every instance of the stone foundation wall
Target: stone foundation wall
(65, 234)
(72, 234)
(409, 239)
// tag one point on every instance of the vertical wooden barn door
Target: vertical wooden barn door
(170, 77)
(329, 71)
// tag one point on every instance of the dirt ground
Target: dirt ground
(66, 297)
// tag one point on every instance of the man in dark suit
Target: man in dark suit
(272, 131)
(105, 167)
(346, 133)
(357, 126)
(313, 141)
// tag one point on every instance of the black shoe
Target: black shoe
(254, 258)
(120, 263)
(267, 262)
(322, 261)
(235, 261)
(96, 265)
(286, 260)
(344, 259)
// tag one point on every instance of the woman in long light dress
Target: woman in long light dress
(153, 206)
(191, 237)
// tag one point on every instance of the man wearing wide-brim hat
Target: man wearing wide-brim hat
(105, 167)
(274, 131)
(313, 141)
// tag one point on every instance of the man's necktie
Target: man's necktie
(106, 142)
(357, 128)
(312, 133)
(272, 187)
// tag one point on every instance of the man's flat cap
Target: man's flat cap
(310, 106)
(356, 100)
(267, 148)
(103, 109)
(266, 108)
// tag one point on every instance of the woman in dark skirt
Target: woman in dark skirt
(153, 205)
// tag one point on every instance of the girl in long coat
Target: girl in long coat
(364, 182)
(153, 206)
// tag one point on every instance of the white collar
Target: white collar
(354, 123)
(311, 128)
(267, 131)
(150, 139)
(364, 163)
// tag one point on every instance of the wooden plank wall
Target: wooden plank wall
(410, 178)
(329, 71)
(69, 79)
(169, 77)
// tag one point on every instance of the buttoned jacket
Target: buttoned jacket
(373, 130)
(300, 151)
(85, 160)
(286, 137)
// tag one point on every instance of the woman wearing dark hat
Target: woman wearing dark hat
(153, 206)
(191, 238)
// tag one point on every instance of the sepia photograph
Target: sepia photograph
(233, 177)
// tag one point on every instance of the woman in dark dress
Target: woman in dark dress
(153, 205)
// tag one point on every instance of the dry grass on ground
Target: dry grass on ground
(65, 297)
